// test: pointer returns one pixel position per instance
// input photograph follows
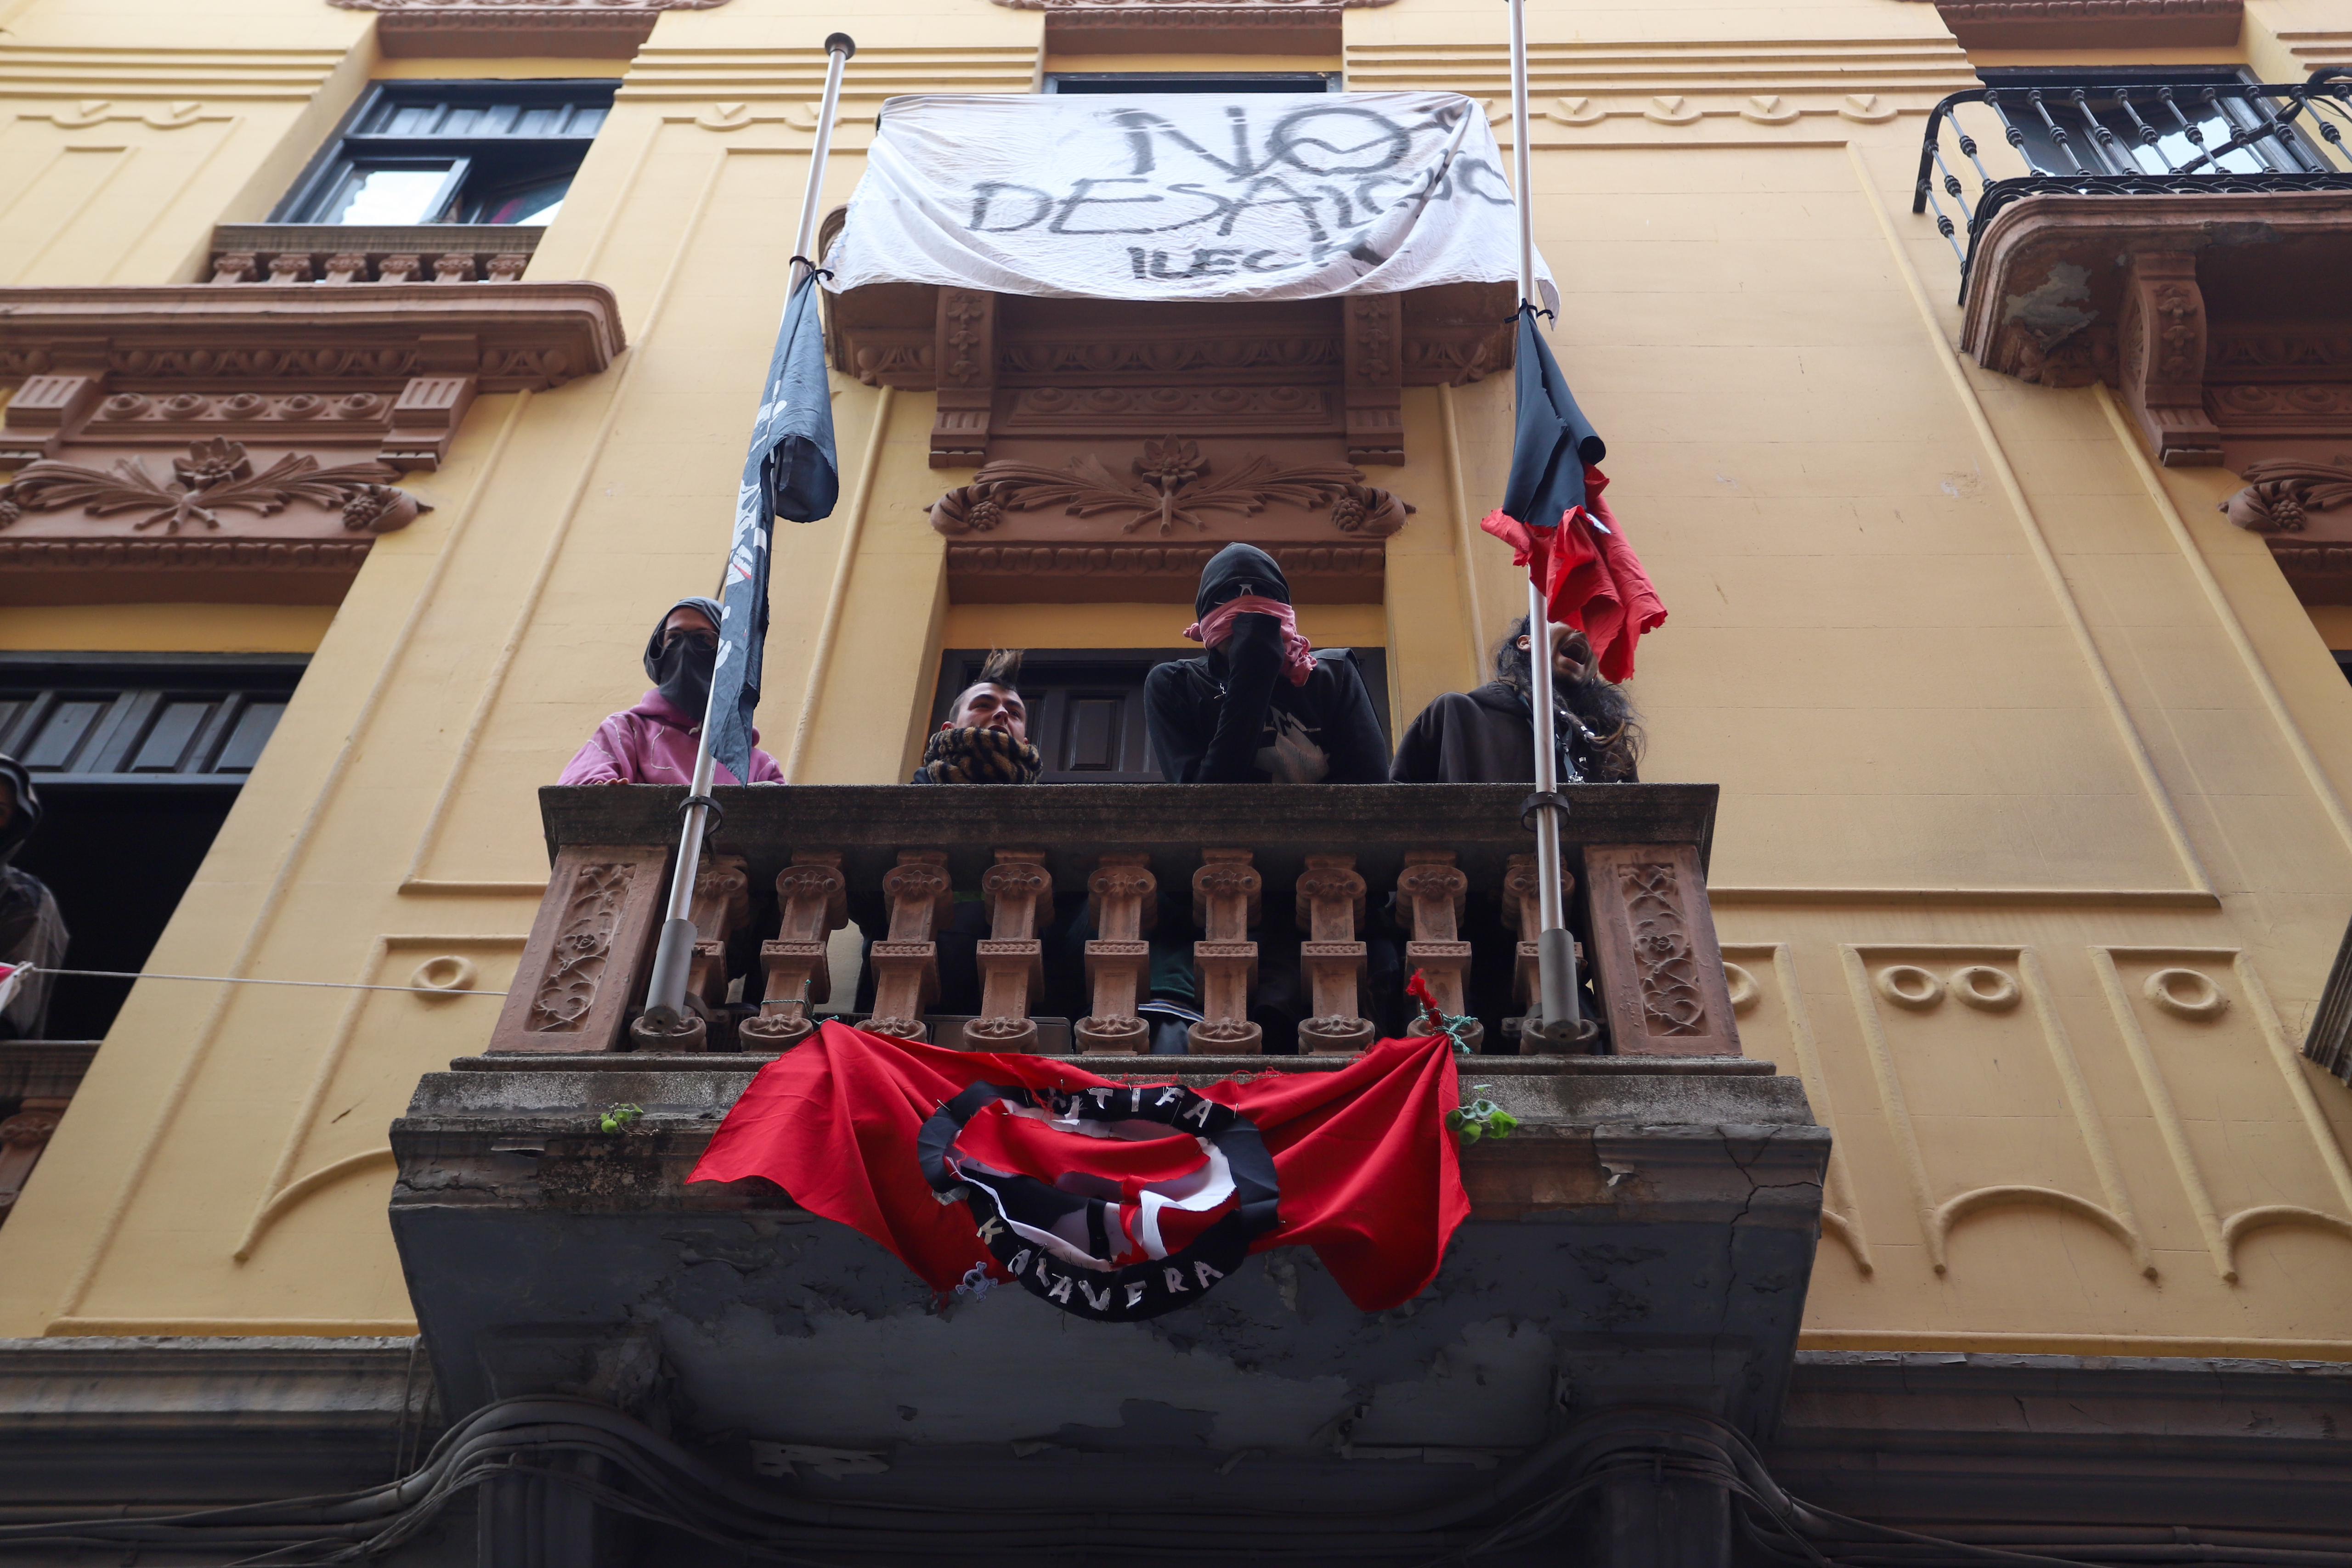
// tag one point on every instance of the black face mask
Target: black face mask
(682, 676)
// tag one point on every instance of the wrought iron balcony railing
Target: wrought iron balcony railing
(2106, 138)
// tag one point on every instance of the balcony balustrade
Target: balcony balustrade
(1324, 859)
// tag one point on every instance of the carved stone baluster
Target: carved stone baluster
(234, 266)
(23, 1137)
(1660, 970)
(454, 268)
(400, 269)
(1331, 912)
(1523, 913)
(1118, 958)
(347, 266)
(906, 962)
(589, 950)
(815, 897)
(722, 902)
(1011, 960)
(293, 267)
(1433, 889)
(1225, 901)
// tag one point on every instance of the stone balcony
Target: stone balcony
(1643, 1238)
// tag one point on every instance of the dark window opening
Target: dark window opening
(1086, 705)
(2343, 663)
(453, 152)
(2155, 121)
(138, 758)
(1119, 82)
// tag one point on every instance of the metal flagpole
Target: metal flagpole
(1555, 949)
(665, 991)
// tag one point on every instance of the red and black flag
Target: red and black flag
(1556, 523)
(1114, 1201)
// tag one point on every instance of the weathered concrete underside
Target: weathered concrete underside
(1643, 1239)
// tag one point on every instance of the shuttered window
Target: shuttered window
(141, 723)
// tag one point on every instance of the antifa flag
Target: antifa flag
(790, 473)
(1114, 1201)
(1556, 523)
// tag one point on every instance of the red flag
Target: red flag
(1368, 1175)
(1589, 576)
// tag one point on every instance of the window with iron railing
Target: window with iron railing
(2120, 133)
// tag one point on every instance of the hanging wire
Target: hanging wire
(249, 980)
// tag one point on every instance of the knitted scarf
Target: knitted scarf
(978, 756)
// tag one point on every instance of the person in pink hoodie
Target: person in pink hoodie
(653, 742)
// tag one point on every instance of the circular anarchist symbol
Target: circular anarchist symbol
(1093, 1246)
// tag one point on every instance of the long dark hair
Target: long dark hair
(1602, 727)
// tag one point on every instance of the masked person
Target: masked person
(655, 742)
(1261, 707)
(1487, 735)
(984, 739)
(31, 931)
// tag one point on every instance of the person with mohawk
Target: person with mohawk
(984, 739)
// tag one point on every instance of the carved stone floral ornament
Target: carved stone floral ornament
(1174, 486)
(2304, 510)
(215, 476)
(191, 442)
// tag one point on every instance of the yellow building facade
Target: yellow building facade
(2033, 847)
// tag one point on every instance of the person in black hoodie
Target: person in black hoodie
(1487, 735)
(1261, 706)
(31, 932)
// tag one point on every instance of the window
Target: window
(2156, 123)
(138, 758)
(1086, 706)
(1112, 82)
(453, 152)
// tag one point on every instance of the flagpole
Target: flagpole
(1555, 949)
(665, 991)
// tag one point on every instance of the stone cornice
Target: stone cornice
(609, 28)
(2073, 24)
(511, 335)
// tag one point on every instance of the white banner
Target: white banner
(1183, 196)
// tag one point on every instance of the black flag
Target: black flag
(1555, 441)
(791, 472)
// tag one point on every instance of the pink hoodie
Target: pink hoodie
(653, 743)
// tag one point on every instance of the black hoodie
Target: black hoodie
(1210, 718)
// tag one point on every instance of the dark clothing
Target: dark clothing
(973, 756)
(1217, 721)
(1235, 718)
(1486, 736)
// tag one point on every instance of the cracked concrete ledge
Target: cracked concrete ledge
(1631, 1145)
(1641, 1238)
